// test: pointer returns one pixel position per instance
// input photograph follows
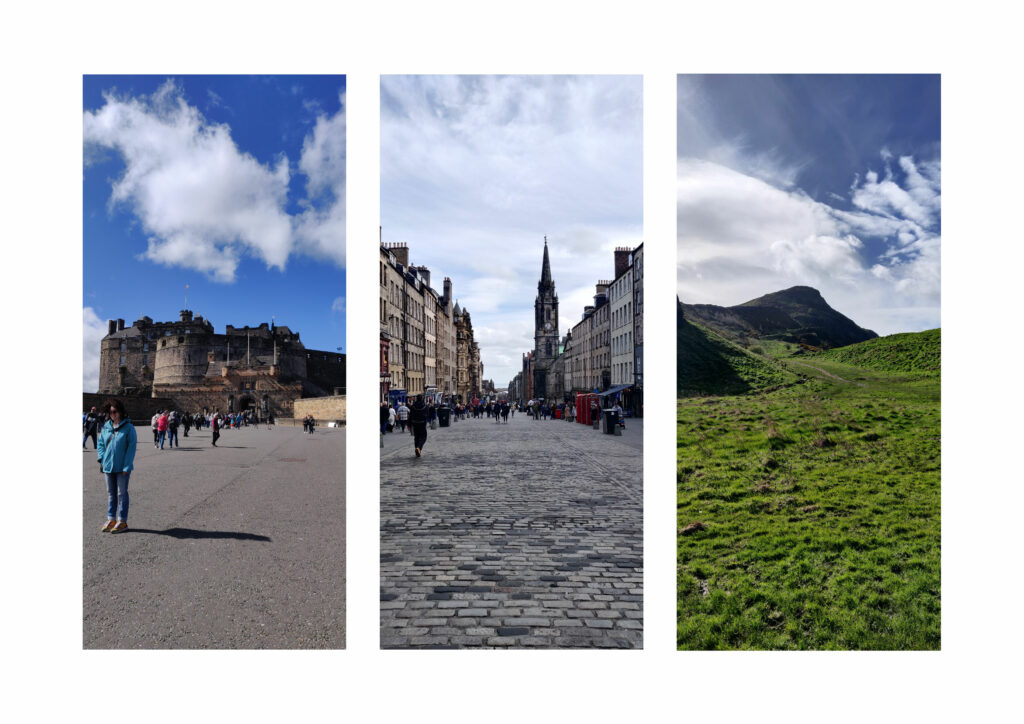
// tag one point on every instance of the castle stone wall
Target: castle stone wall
(324, 409)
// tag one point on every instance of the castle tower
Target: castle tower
(545, 332)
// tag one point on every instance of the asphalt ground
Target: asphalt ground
(239, 546)
(525, 534)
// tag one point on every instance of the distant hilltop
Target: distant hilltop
(799, 315)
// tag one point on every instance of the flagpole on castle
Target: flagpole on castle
(186, 296)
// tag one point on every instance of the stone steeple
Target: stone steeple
(545, 333)
(545, 272)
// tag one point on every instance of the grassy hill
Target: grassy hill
(809, 515)
(708, 364)
(911, 352)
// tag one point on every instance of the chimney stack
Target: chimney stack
(120, 325)
(621, 260)
(401, 252)
(111, 326)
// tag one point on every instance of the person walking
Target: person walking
(90, 425)
(161, 428)
(418, 424)
(116, 456)
(383, 418)
(186, 423)
(403, 415)
(154, 423)
(172, 429)
(392, 418)
(215, 427)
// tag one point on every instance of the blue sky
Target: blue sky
(829, 181)
(233, 185)
(476, 170)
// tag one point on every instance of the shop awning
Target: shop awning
(613, 390)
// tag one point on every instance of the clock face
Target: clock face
(547, 326)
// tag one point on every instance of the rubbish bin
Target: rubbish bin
(611, 421)
(444, 416)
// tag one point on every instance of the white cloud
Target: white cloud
(203, 202)
(338, 305)
(320, 232)
(475, 171)
(740, 237)
(94, 330)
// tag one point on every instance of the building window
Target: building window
(145, 360)
(122, 360)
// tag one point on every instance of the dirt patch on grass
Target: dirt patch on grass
(693, 527)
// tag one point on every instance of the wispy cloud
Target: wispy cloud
(738, 233)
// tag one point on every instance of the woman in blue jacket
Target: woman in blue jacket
(116, 455)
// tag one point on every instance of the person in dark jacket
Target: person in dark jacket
(418, 426)
(116, 456)
(90, 425)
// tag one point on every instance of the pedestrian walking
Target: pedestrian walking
(116, 456)
(90, 426)
(215, 427)
(418, 424)
(172, 429)
(403, 415)
(153, 423)
(161, 428)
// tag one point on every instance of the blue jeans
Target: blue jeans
(161, 436)
(117, 496)
(172, 437)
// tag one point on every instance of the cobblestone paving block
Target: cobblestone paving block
(522, 535)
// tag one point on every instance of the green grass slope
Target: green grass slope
(809, 516)
(912, 352)
(707, 364)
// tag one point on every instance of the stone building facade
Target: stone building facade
(263, 368)
(420, 328)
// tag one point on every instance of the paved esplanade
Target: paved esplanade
(528, 534)
(237, 546)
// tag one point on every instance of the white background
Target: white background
(46, 50)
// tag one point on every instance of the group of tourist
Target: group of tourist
(309, 424)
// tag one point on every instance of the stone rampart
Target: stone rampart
(324, 409)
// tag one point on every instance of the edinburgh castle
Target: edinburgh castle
(189, 367)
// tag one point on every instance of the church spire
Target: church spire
(545, 271)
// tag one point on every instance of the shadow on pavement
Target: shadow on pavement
(181, 533)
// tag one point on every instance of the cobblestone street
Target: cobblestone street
(526, 534)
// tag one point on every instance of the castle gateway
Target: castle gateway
(263, 369)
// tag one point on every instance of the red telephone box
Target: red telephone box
(583, 412)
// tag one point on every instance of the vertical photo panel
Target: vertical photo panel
(809, 347)
(511, 386)
(214, 217)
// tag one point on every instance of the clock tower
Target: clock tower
(545, 332)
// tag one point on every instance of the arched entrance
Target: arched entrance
(247, 403)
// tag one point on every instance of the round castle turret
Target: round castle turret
(181, 359)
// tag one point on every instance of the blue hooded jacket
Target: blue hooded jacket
(116, 447)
